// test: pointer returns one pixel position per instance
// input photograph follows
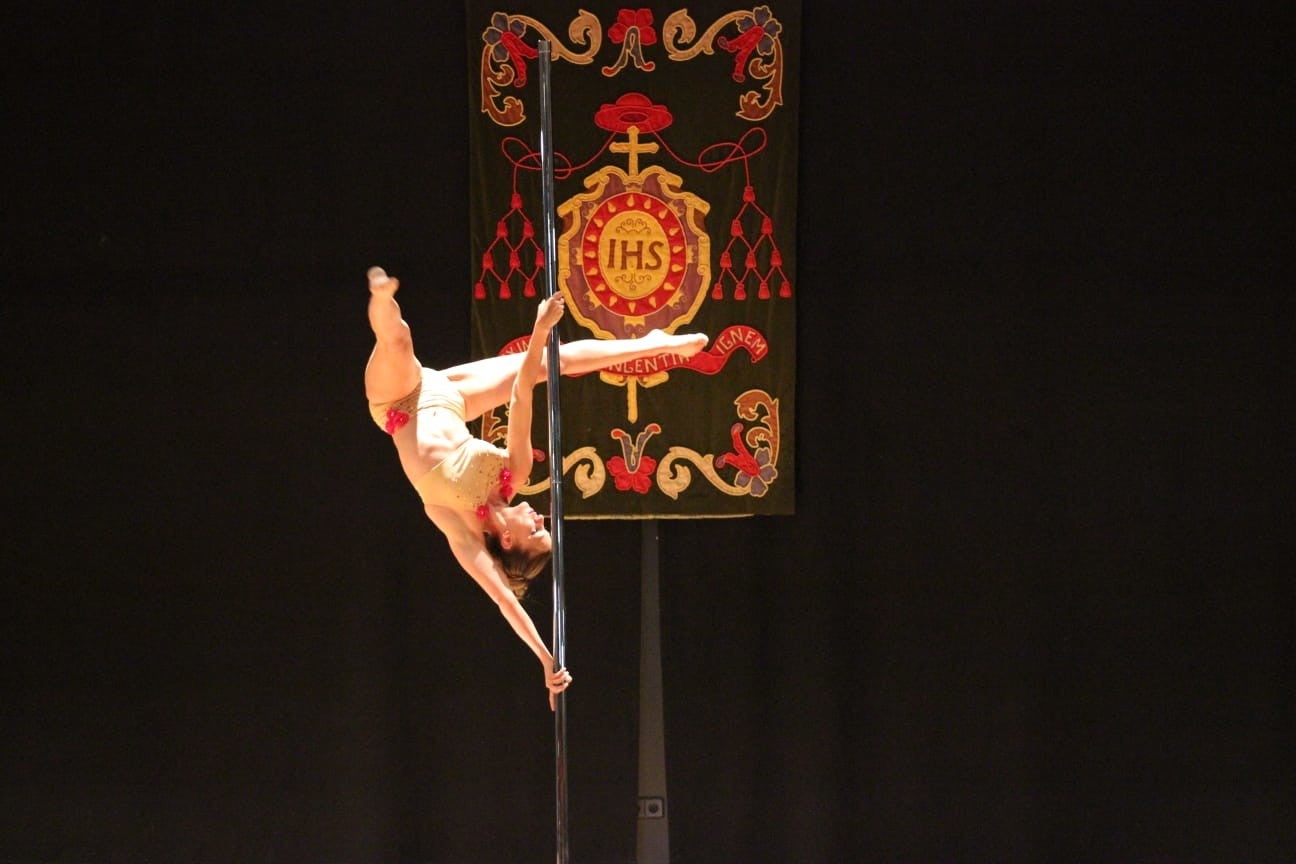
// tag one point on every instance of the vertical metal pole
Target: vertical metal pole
(550, 231)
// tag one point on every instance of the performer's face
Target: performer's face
(525, 529)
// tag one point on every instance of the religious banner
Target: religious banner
(675, 156)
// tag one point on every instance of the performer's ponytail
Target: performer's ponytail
(519, 567)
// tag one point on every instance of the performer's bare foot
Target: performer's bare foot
(681, 344)
(380, 284)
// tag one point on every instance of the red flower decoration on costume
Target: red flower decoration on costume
(395, 420)
(505, 489)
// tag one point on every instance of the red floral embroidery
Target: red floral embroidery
(741, 458)
(630, 18)
(640, 479)
(505, 38)
(395, 420)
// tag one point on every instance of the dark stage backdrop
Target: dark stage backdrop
(1030, 607)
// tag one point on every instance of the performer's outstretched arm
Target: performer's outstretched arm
(478, 563)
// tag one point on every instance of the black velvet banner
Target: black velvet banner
(675, 139)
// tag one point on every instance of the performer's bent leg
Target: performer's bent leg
(488, 383)
(392, 371)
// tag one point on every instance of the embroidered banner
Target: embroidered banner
(675, 139)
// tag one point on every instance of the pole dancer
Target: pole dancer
(467, 484)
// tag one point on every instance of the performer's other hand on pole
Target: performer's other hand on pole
(549, 312)
(557, 682)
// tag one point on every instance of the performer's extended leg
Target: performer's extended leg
(392, 371)
(488, 383)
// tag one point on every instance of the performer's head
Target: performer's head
(520, 545)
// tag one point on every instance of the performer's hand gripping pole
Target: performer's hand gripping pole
(550, 232)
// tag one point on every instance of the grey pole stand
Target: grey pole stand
(652, 844)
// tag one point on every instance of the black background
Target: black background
(1030, 608)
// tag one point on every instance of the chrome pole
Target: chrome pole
(550, 235)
